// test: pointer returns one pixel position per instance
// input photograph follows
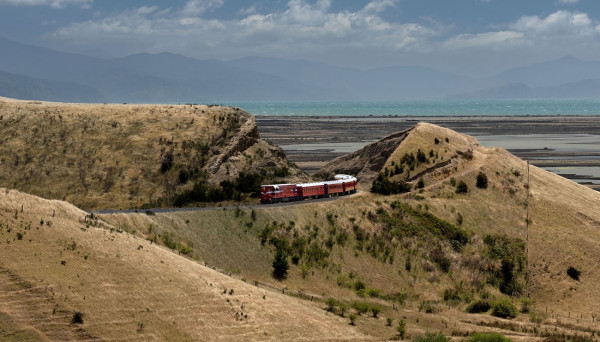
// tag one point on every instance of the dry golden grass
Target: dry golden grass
(565, 218)
(116, 156)
(128, 288)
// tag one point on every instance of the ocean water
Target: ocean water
(425, 108)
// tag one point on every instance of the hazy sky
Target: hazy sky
(476, 37)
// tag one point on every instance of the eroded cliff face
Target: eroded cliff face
(101, 156)
(365, 163)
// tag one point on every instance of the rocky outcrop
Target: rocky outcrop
(109, 156)
(365, 163)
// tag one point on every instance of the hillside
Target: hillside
(55, 261)
(122, 156)
(430, 251)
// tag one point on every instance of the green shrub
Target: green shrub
(482, 181)
(488, 337)
(331, 303)
(383, 185)
(536, 317)
(462, 188)
(428, 307)
(352, 318)
(280, 264)
(77, 317)
(421, 157)
(526, 304)
(401, 328)
(504, 309)
(361, 307)
(438, 256)
(573, 273)
(431, 337)
(421, 183)
(375, 310)
(479, 306)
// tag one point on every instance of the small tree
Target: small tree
(482, 180)
(280, 264)
(375, 310)
(401, 328)
(352, 319)
(573, 273)
(421, 183)
(331, 303)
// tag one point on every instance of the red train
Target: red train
(342, 185)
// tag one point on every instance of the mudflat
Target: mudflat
(567, 145)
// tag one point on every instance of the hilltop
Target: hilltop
(564, 216)
(125, 156)
(56, 261)
(433, 248)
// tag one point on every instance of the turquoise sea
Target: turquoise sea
(425, 107)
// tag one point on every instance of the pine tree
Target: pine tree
(280, 264)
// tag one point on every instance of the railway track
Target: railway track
(229, 207)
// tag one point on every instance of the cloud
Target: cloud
(558, 29)
(52, 3)
(199, 7)
(494, 40)
(301, 26)
(568, 1)
(379, 6)
(556, 25)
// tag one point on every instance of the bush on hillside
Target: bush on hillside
(511, 253)
(280, 264)
(401, 328)
(421, 157)
(482, 181)
(77, 317)
(462, 188)
(479, 306)
(504, 309)
(573, 273)
(385, 186)
(527, 304)
(488, 337)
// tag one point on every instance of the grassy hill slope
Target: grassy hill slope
(56, 261)
(409, 250)
(121, 156)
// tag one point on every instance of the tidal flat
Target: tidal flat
(566, 145)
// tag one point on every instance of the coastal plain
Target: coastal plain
(567, 145)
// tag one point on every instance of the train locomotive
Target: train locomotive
(274, 193)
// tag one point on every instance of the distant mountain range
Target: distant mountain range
(30, 72)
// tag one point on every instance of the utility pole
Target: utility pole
(527, 235)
